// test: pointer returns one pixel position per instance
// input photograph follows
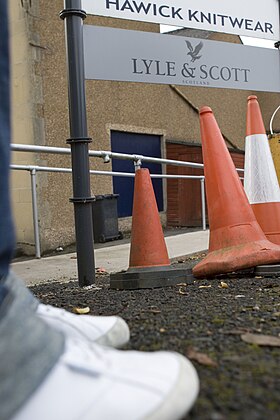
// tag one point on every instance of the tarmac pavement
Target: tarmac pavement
(112, 257)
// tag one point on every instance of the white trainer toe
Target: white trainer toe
(106, 330)
(93, 382)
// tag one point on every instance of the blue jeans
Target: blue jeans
(29, 348)
(6, 225)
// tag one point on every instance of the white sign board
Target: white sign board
(135, 56)
(254, 18)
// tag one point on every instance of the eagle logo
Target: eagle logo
(193, 52)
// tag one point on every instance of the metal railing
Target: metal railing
(106, 156)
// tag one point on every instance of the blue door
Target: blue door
(139, 144)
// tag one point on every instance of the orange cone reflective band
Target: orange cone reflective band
(148, 246)
(236, 239)
(260, 179)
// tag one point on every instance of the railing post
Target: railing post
(137, 164)
(35, 213)
(203, 205)
(73, 17)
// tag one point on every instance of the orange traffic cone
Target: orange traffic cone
(236, 239)
(149, 264)
(260, 179)
(148, 248)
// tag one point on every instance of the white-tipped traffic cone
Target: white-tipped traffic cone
(260, 178)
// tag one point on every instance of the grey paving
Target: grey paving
(113, 258)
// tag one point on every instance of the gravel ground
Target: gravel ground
(208, 322)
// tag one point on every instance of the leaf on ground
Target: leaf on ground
(92, 287)
(261, 340)
(201, 358)
(100, 270)
(205, 287)
(182, 291)
(224, 285)
(236, 331)
(81, 311)
(152, 310)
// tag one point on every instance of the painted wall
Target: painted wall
(25, 93)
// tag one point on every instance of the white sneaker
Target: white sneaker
(91, 382)
(106, 330)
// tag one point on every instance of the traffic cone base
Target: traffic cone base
(239, 257)
(270, 213)
(147, 278)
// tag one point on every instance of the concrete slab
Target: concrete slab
(112, 258)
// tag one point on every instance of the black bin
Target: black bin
(105, 218)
